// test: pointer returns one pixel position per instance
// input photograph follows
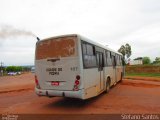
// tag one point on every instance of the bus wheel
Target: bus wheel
(121, 77)
(107, 85)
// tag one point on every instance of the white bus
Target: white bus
(76, 67)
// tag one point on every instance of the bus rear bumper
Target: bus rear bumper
(54, 93)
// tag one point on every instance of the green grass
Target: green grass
(144, 74)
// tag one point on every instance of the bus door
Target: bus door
(114, 68)
(100, 63)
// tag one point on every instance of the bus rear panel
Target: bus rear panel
(57, 71)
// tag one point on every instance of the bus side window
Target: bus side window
(89, 59)
(105, 58)
(106, 54)
(123, 61)
(97, 57)
(113, 61)
(84, 49)
(94, 50)
(118, 59)
(89, 49)
(108, 60)
(101, 60)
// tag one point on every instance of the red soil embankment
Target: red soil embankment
(142, 69)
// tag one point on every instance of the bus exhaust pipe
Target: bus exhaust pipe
(38, 39)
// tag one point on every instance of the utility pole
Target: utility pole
(1, 70)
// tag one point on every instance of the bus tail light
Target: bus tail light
(37, 83)
(76, 83)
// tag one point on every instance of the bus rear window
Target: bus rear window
(56, 48)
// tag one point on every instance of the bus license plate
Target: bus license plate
(55, 83)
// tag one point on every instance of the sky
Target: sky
(108, 22)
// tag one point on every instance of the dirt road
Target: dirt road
(130, 96)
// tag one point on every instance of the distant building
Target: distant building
(136, 61)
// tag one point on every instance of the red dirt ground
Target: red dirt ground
(17, 96)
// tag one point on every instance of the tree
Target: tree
(126, 51)
(146, 60)
(122, 50)
(157, 60)
(14, 69)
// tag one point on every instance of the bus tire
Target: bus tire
(121, 77)
(108, 85)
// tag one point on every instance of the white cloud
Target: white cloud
(18, 51)
(145, 41)
(108, 22)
